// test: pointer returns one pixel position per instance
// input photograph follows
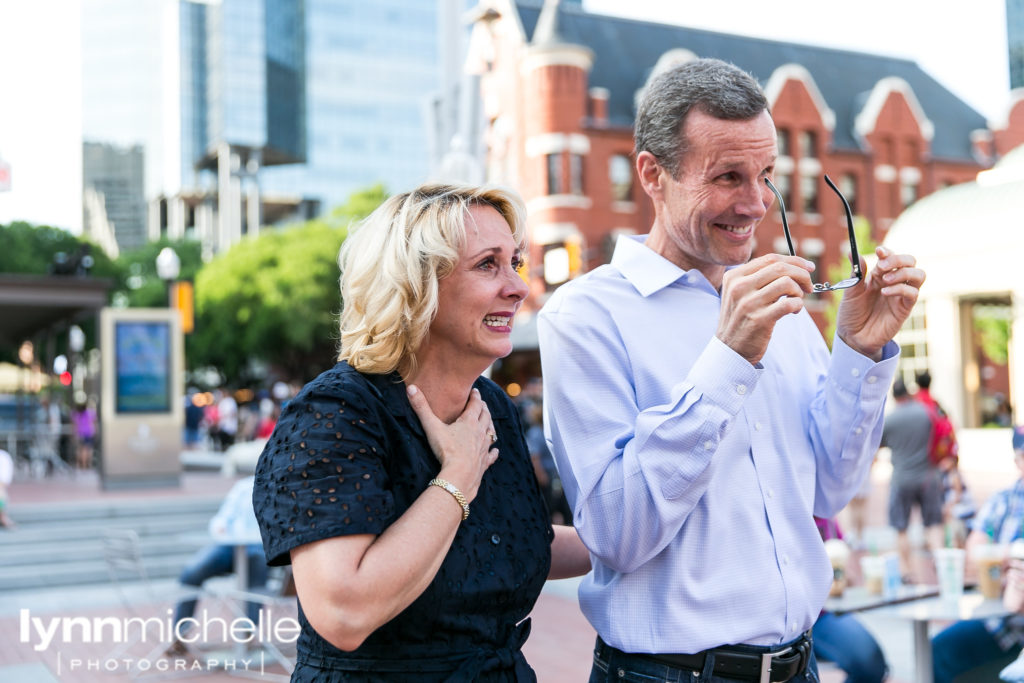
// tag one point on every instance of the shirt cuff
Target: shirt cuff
(858, 374)
(723, 376)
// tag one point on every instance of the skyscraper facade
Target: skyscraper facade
(255, 112)
(1015, 41)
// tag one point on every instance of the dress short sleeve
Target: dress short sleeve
(321, 473)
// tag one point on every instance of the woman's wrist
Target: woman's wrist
(455, 493)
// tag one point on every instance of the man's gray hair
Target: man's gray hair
(715, 87)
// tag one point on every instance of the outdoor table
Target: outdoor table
(972, 605)
(858, 599)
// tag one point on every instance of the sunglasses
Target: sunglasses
(858, 274)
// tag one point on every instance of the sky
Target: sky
(960, 44)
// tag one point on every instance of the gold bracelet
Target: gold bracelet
(456, 493)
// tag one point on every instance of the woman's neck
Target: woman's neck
(446, 390)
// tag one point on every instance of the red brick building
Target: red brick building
(559, 88)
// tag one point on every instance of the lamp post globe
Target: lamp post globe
(168, 264)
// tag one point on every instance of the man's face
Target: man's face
(711, 210)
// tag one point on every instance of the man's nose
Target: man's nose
(754, 200)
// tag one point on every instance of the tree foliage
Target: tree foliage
(32, 250)
(275, 298)
(866, 246)
(139, 286)
(272, 299)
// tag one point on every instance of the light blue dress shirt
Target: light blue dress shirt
(693, 475)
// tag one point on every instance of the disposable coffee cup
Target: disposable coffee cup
(838, 555)
(872, 568)
(949, 567)
(989, 560)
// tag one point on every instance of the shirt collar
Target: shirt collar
(645, 269)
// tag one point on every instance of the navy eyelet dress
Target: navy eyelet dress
(348, 456)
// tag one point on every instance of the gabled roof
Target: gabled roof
(626, 50)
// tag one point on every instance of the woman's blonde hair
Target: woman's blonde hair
(391, 264)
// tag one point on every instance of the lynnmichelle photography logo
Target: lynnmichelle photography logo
(154, 636)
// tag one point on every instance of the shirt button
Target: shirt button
(785, 560)
(855, 372)
(769, 492)
(757, 426)
(708, 445)
(495, 539)
(858, 431)
(872, 379)
(741, 389)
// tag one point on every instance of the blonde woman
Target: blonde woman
(398, 483)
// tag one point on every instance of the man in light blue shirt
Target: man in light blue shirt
(697, 417)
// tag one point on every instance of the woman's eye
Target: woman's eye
(487, 263)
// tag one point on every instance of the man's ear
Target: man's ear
(651, 174)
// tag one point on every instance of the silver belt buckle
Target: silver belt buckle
(766, 664)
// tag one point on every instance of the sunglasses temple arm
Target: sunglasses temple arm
(854, 252)
(782, 209)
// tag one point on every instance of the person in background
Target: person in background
(227, 420)
(544, 465)
(697, 416)
(194, 415)
(398, 483)
(915, 481)
(235, 516)
(84, 420)
(842, 639)
(972, 643)
(957, 503)
(6, 477)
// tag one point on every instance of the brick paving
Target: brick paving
(559, 647)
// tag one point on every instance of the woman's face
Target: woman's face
(477, 301)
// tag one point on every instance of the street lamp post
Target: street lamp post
(168, 267)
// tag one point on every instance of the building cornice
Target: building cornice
(867, 119)
(796, 72)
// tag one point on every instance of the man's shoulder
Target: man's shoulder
(589, 291)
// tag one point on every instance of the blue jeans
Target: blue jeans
(219, 560)
(628, 668)
(844, 640)
(964, 646)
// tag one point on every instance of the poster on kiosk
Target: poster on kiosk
(141, 407)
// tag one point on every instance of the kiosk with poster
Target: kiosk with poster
(141, 409)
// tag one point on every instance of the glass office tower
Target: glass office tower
(1015, 40)
(256, 112)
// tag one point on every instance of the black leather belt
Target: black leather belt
(770, 666)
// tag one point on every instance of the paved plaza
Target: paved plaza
(559, 647)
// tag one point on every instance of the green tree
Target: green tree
(866, 246)
(27, 249)
(275, 298)
(32, 250)
(272, 299)
(139, 286)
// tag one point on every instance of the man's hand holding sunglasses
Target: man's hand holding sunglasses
(872, 312)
